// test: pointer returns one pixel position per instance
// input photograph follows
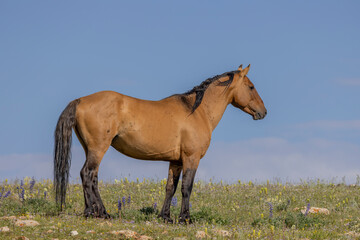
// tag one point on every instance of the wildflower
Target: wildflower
(307, 209)
(174, 201)
(7, 194)
(270, 210)
(45, 194)
(129, 199)
(32, 184)
(22, 194)
(119, 205)
(155, 206)
(124, 201)
(21, 191)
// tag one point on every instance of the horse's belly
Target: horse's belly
(147, 150)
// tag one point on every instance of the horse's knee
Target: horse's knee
(169, 186)
(186, 190)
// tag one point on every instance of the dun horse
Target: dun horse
(176, 129)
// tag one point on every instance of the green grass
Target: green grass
(242, 209)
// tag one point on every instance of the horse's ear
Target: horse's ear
(245, 71)
(240, 68)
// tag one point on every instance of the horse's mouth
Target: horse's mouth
(255, 114)
(258, 116)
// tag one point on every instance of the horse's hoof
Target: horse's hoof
(185, 221)
(166, 219)
(88, 214)
(105, 216)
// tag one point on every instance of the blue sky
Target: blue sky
(305, 63)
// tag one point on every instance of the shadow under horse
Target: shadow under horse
(176, 129)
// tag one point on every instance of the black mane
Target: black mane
(200, 89)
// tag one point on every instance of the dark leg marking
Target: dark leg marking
(94, 206)
(171, 185)
(186, 188)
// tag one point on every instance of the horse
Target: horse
(176, 129)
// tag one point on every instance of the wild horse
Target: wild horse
(176, 129)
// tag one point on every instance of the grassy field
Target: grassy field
(242, 210)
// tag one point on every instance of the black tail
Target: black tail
(62, 151)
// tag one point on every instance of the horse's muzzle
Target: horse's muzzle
(259, 115)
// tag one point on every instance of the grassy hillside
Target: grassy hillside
(242, 210)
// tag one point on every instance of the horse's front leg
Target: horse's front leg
(189, 171)
(171, 185)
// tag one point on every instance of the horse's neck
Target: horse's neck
(214, 104)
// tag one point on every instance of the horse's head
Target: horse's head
(245, 96)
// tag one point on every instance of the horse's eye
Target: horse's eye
(251, 87)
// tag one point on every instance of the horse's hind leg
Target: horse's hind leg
(89, 176)
(173, 179)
